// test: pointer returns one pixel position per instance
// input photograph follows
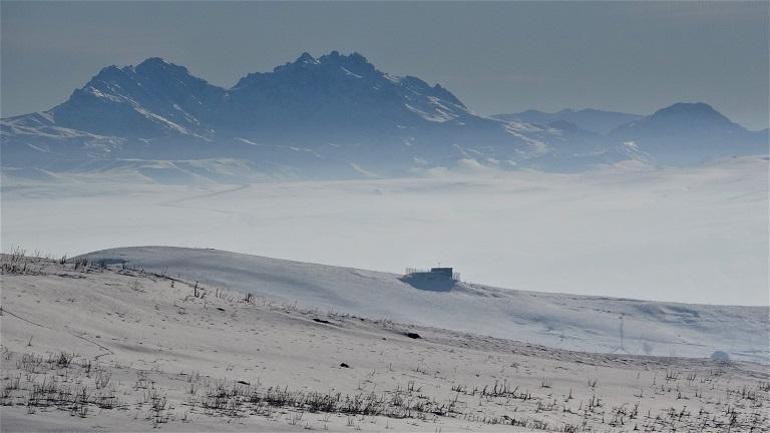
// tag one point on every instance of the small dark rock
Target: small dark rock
(220, 309)
(343, 365)
(320, 321)
(243, 382)
(413, 335)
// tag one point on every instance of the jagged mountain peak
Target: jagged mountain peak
(331, 57)
(152, 67)
(334, 91)
(153, 77)
(353, 65)
(154, 97)
(336, 57)
(157, 65)
(342, 91)
(306, 58)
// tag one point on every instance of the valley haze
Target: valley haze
(694, 235)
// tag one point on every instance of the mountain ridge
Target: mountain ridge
(588, 119)
(334, 116)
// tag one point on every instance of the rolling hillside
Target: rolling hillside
(564, 321)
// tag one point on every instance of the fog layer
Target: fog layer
(691, 235)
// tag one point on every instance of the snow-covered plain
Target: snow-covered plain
(93, 349)
(696, 235)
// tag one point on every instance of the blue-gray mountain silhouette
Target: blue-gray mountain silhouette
(331, 116)
(588, 119)
(686, 133)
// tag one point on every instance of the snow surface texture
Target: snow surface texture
(590, 324)
(155, 354)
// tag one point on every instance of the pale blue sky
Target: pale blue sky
(496, 57)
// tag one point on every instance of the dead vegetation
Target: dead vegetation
(19, 262)
(83, 387)
(667, 397)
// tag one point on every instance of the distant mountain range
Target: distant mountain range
(588, 119)
(335, 116)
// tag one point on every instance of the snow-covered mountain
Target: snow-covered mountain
(154, 98)
(335, 116)
(338, 91)
(690, 133)
(157, 98)
(566, 321)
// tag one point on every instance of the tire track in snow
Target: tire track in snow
(109, 351)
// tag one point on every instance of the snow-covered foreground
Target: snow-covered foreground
(697, 235)
(88, 348)
(572, 322)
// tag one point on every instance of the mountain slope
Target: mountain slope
(588, 119)
(341, 92)
(154, 98)
(690, 132)
(564, 321)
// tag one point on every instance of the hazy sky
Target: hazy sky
(496, 57)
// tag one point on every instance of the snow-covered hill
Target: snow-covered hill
(565, 321)
(89, 348)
